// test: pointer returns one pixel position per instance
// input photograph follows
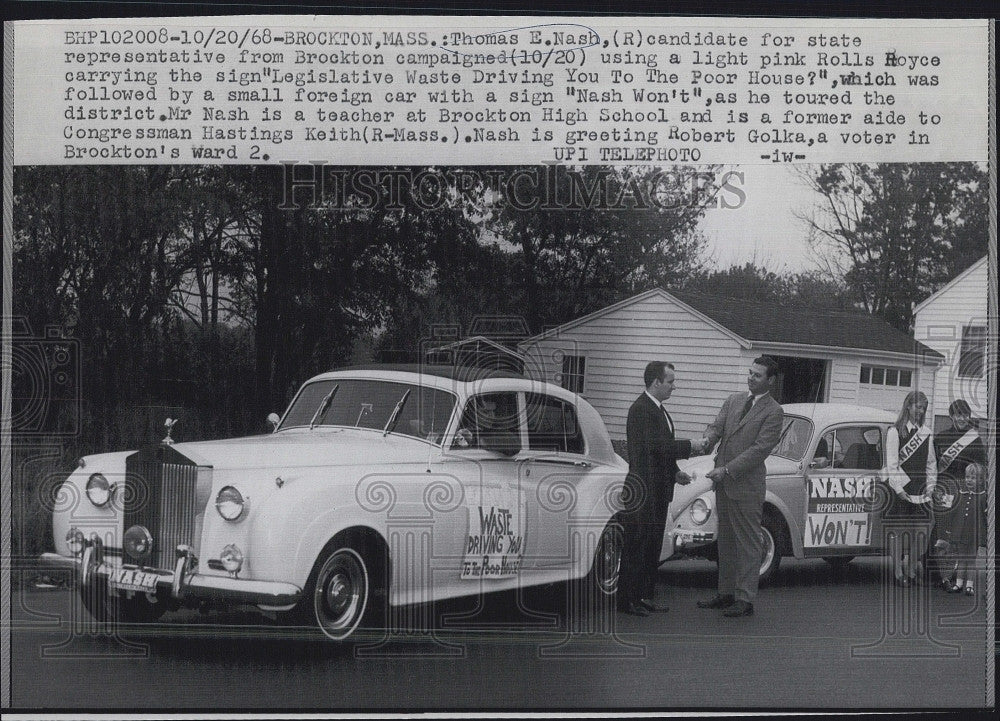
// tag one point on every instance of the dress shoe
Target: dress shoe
(718, 601)
(633, 609)
(653, 606)
(740, 608)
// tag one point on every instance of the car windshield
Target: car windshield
(794, 438)
(370, 403)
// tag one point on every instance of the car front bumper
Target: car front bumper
(687, 539)
(181, 583)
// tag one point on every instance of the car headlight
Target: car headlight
(232, 558)
(699, 511)
(230, 504)
(98, 489)
(138, 543)
(75, 541)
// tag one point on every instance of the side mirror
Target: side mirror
(274, 420)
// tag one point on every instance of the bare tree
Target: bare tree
(896, 232)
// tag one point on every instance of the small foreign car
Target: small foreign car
(826, 490)
(379, 487)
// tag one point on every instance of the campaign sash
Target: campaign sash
(956, 448)
(916, 440)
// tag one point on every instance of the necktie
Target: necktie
(746, 407)
(670, 423)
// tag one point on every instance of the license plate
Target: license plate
(132, 579)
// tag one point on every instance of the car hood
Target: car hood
(302, 448)
(698, 466)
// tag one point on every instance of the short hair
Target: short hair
(959, 407)
(654, 371)
(769, 363)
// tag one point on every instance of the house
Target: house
(476, 352)
(824, 356)
(953, 322)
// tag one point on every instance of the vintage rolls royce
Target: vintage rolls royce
(826, 490)
(379, 487)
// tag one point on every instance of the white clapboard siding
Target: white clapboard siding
(845, 374)
(926, 381)
(619, 343)
(711, 362)
(938, 324)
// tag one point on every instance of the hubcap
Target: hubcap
(609, 558)
(768, 540)
(338, 593)
(341, 593)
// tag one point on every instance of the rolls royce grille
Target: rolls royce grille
(162, 495)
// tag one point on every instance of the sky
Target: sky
(764, 229)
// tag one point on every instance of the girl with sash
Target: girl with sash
(957, 448)
(912, 476)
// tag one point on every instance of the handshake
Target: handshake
(700, 446)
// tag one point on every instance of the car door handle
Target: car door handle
(564, 462)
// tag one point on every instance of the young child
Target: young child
(968, 527)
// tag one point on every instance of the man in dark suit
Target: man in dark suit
(649, 488)
(747, 428)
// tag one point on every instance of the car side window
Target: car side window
(851, 447)
(490, 421)
(794, 439)
(828, 452)
(553, 425)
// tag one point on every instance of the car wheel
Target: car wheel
(773, 532)
(338, 596)
(838, 562)
(594, 594)
(606, 569)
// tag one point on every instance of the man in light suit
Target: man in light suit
(748, 428)
(649, 488)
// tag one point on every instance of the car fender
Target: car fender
(772, 499)
(293, 524)
(678, 518)
(588, 521)
(71, 508)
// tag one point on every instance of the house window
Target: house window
(972, 352)
(882, 376)
(572, 373)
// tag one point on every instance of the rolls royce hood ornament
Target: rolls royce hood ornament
(169, 425)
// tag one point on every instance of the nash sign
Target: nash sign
(839, 511)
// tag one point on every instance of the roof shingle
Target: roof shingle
(774, 323)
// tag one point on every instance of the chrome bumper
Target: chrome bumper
(182, 583)
(685, 538)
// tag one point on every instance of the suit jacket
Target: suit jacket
(652, 453)
(744, 444)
